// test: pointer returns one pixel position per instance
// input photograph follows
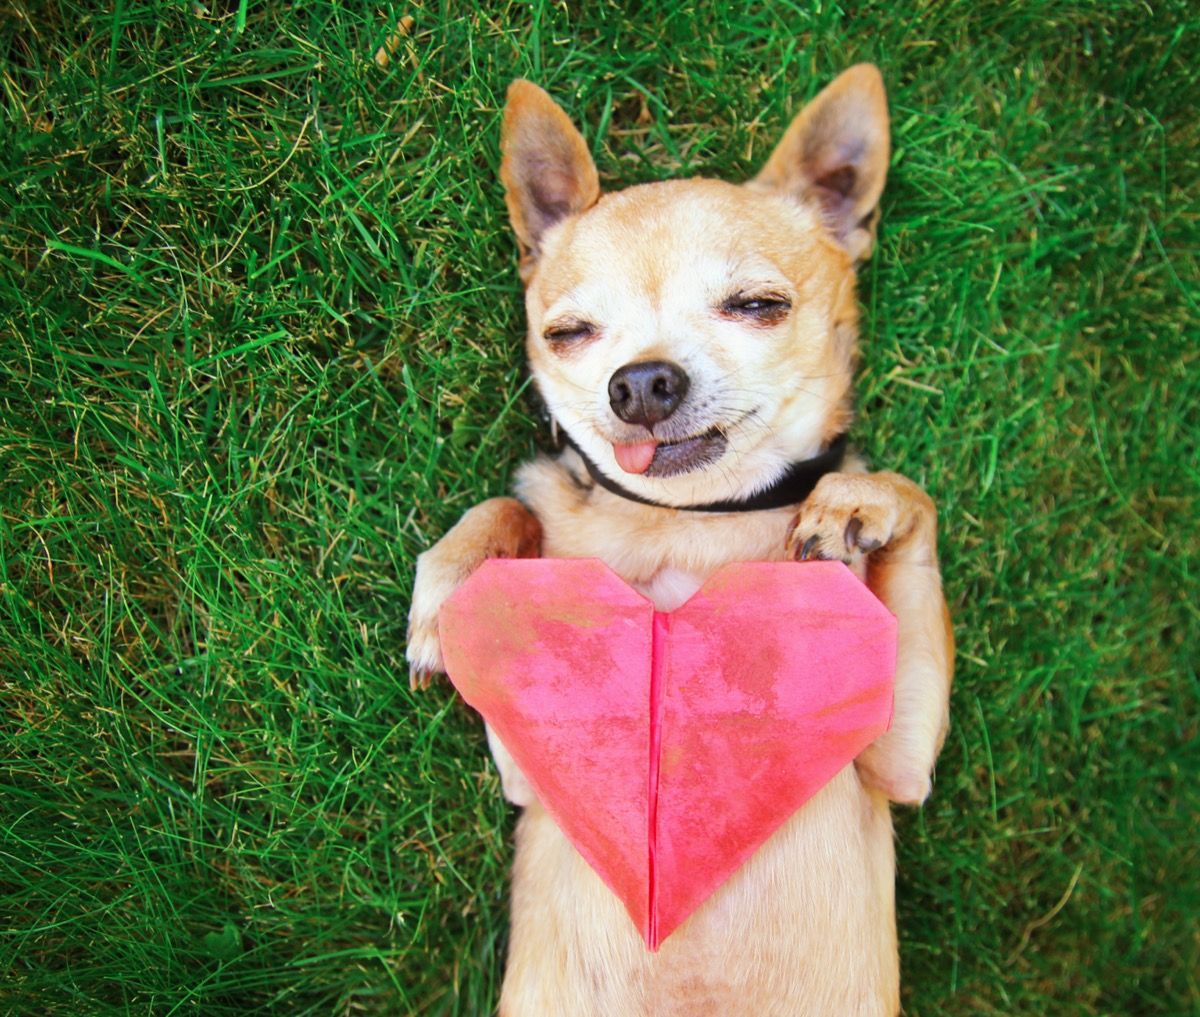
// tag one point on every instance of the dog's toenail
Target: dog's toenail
(809, 544)
(853, 529)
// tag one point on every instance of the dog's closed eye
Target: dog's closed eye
(761, 308)
(568, 331)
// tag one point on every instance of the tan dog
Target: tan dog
(694, 340)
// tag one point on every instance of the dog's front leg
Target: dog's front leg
(497, 528)
(891, 521)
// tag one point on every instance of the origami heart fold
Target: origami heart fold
(669, 746)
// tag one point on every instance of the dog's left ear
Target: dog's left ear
(546, 168)
(836, 153)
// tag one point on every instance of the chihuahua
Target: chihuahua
(695, 343)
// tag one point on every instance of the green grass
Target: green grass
(260, 343)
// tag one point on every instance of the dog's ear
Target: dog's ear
(547, 171)
(836, 153)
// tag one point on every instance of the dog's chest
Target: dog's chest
(666, 556)
(669, 588)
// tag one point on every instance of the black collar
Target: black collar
(791, 488)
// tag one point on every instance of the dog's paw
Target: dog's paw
(847, 516)
(438, 575)
(850, 515)
(497, 528)
(423, 650)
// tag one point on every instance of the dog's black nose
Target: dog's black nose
(648, 392)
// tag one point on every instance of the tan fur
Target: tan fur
(811, 150)
(807, 927)
(539, 135)
(497, 528)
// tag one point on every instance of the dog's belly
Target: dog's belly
(806, 927)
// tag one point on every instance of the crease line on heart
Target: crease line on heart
(658, 649)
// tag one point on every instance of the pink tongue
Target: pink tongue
(635, 458)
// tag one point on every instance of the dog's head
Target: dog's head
(695, 337)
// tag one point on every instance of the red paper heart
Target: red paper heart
(669, 747)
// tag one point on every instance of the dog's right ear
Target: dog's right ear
(547, 171)
(835, 154)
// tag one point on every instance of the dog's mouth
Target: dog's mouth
(670, 458)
